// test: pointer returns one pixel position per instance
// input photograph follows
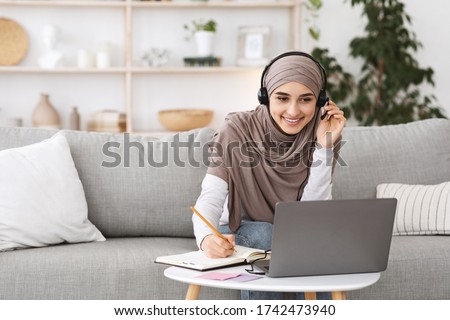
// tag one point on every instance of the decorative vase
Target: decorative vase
(45, 115)
(205, 43)
(74, 120)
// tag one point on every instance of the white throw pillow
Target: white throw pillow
(421, 209)
(42, 200)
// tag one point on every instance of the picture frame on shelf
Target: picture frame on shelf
(253, 45)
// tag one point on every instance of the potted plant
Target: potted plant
(389, 90)
(203, 32)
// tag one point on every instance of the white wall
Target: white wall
(87, 27)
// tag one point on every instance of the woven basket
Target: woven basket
(13, 42)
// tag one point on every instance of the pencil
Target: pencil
(217, 233)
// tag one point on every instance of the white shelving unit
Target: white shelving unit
(128, 71)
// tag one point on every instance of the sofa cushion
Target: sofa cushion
(124, 198)
(412, 153)
(118, 269)
(42, 200)
(421, 209)
(418, 268)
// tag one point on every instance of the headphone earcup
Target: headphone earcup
(263, 96)
(322, 99)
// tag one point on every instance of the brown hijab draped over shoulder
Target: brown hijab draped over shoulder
(261, 164)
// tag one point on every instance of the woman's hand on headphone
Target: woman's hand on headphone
(330, 128)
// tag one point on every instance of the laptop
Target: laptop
(330, 237)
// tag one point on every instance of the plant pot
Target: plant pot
(205, 43)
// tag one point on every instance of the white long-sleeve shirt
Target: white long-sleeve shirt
(212, 202)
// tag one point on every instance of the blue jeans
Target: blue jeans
(258, 235)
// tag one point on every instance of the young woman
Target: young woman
(281, 151)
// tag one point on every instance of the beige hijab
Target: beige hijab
(261, 164)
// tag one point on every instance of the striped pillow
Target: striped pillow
(421, 209)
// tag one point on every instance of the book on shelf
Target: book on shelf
(198, 260)
(108, 121)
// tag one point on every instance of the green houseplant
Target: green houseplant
(200, 25)
(203, 32)
(388, 91)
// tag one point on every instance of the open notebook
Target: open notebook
(199, 261)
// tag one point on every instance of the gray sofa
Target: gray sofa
(143, 211)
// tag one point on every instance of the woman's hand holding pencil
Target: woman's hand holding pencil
(216, 245)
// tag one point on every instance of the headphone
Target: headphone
(322, 99)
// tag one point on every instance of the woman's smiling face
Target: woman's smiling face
(292, 106)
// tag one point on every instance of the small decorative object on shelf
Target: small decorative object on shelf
(14, 122)
(155, 57)
(253, 45)
(13, 42)
(103, 56)
(203, 33)
(108, 121)
(74, 119)
(51, 58)
(85, 59)
(185, 119)
(202, 61)
(45, 115)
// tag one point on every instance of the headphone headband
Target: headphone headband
(263, 95)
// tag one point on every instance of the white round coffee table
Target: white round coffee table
(337, 284)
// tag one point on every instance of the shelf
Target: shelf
(194, 70)
(135, 70)
(153, 4)
(59, 70)
(39, 3)
(134, 9)
(224, 4)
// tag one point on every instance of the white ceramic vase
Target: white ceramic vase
(205, 43)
